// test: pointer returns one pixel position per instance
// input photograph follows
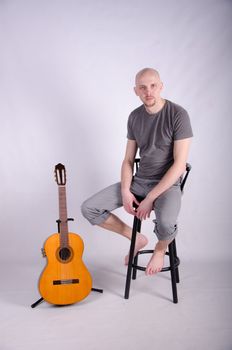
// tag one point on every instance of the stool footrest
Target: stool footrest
(151, 251)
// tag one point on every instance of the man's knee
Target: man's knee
(165, 228)
(85, 209)
(88, 211)
(94, 215)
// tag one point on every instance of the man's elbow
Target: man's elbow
(128, 163)
(180, 166)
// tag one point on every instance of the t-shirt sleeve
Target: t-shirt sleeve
(182, 126)
(130, 133)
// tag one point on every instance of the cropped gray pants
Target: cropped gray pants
(97, 208)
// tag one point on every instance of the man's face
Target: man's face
(148, 88)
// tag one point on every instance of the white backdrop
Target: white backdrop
(66, 89)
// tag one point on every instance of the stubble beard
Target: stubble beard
(149, 105)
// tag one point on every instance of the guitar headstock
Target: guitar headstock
(60, 174)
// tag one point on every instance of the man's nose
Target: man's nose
(148, 91)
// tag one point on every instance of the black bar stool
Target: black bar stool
(172, 252)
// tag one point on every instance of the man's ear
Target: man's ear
(161, 86)
(135, 90)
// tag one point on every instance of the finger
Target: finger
(146, 216)
(139, 215)
(130, 210)
(128, 206)
(143, 215)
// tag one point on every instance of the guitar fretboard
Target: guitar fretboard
(63, 217)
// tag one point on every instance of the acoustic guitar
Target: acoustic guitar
(65, 279)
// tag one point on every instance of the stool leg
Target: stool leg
(131, 255)
(134, 273)
(173, 272)
(175, 254)
(139, 226)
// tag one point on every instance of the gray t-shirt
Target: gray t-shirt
(155, 135)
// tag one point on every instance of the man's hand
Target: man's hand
(144, 209)
(127, 199)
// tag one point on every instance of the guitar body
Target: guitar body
(65, 279)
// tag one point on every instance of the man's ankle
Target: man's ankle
(161, 246)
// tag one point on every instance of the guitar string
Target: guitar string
(63, 231)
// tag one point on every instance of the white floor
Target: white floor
(201, 320)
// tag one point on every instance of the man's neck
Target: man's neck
(156, 108)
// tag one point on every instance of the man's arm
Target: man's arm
(126, 176)
(180, 154)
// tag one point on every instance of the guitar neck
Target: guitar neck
(63, 217)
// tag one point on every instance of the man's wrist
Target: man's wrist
(151, 196)
(125, 190)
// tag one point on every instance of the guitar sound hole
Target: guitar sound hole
(64, 254)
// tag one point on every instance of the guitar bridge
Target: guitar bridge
(70, 281)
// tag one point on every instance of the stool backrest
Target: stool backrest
(187, 170)
(185, 176)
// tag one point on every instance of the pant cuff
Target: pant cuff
(99, 219)
(166, 237)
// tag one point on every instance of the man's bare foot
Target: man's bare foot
(156, 262)
(140, 243)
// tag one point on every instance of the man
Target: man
(161, 130)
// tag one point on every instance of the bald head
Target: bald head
(146, 71)
(148, 87)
